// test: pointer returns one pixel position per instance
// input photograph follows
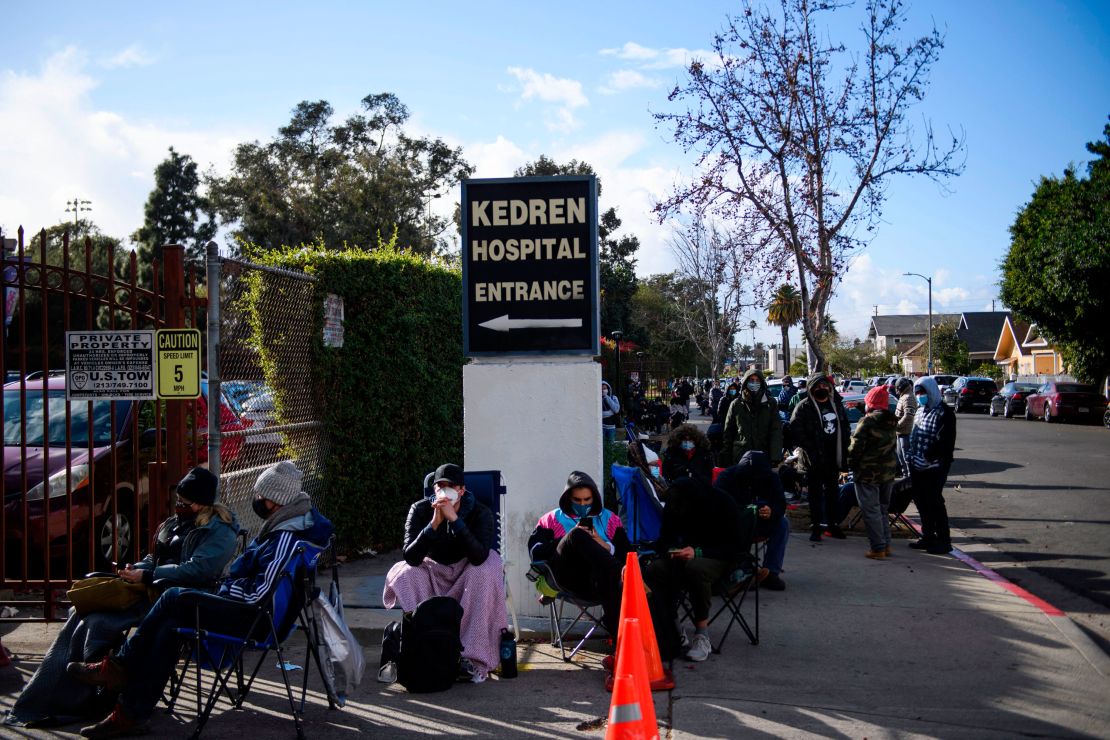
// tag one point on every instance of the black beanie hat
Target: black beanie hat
(199, 486)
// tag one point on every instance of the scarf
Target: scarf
(297, 507)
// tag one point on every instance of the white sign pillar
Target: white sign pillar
(535, 419)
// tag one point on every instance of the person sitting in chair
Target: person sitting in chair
(698, 547)
(584, 545)
(191, 549)
(448, 550)
(752, 482)
(140, 669)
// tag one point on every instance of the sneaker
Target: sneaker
(921, 544)
(700, 648)
(388, 673)
(939, 549)
(107, 673)
(837, 533)
(116, 724)
(876, 554)
(468, 672)
(773, 582)
(815, 535)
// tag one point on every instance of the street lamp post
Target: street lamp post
(617, 335)
(928, 280)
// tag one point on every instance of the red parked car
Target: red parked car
(1058, 401)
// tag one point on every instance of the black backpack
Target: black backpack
(425, 645)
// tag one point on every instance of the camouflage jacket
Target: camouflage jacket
(871, 453)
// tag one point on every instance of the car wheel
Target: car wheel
(1028, 415)
(990, 409)
(1047, 414)
(114, 539)
(1008, 410)
(1106, 419)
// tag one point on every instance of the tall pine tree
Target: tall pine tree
(175, 213)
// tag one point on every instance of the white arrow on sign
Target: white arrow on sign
(504, 323)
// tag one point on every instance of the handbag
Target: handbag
(104, 594)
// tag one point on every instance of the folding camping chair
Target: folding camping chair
(640, 510)
(555, 597)
(488, 488)
(272, 620)
(901, 495)
(734, 587)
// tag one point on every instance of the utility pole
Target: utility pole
(77, 206)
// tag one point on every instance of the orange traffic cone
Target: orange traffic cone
(634, 605)
(632, 710)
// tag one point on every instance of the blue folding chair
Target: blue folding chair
(640, 510)
(272, 620)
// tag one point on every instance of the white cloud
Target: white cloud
(627, 79)
(132, 56)
(648, 58)
(565, 94)
(497, 158)
(61, 147)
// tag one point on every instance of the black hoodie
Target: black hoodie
(752, 481)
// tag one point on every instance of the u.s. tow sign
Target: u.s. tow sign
(530, 270)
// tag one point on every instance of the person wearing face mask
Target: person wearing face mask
(904, 414)
(584, 544)
(786, 395)
(448, 551)
(930, 451)
(191, 548)
(820, 426)
(753, 422)
(687, 454)
(140, 669)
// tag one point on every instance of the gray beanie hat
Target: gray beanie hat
(280, 483)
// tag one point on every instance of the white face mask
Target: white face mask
(450, 494)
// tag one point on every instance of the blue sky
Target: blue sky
(93, 95)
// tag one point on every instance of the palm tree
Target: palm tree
(784, 311)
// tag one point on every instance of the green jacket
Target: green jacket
(752, 423)
(871, 453)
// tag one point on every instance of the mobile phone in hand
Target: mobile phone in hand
(586, 522)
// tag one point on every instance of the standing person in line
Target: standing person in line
(874, 462)
(787, 392)
(903, 416)
(820, 427)
(753, 422)
(715, 394)
(932, 444)
(610, 411)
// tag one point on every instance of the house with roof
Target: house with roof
(887, 332)
(1023, 352)
(980, 331)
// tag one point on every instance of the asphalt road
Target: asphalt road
(1039, 496)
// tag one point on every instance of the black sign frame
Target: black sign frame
(559, 323)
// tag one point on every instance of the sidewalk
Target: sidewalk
(915, 646)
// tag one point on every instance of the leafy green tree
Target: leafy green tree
(175, 213)
(617, 253)
(1058, 268)
(654, 308)
(341, 184)
(856, 358)
(949, 350)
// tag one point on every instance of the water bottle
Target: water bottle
(508, 654)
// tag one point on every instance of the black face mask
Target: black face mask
(259, 507)
(821, 394)
(184, 512)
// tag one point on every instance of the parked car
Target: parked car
(1106, 419)
(1059, 401)
(1010, 399)
(853, 385)
(944, 381)
(95, 474)
(970, 392)
(259, 410)
(855, 406)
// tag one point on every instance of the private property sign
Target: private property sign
(530, 271)
(112, 364)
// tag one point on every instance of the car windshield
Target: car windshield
(1074, 388)
(1022, 387)
(79, 420)
(981, 385)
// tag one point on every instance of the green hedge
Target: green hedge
(391, 397)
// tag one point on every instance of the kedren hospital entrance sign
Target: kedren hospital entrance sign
(530, 271)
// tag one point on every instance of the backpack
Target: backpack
(425, 645)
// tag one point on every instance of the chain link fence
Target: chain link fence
(264, 359)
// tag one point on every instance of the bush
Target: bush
(391, 397)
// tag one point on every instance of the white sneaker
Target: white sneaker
(700, 648)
